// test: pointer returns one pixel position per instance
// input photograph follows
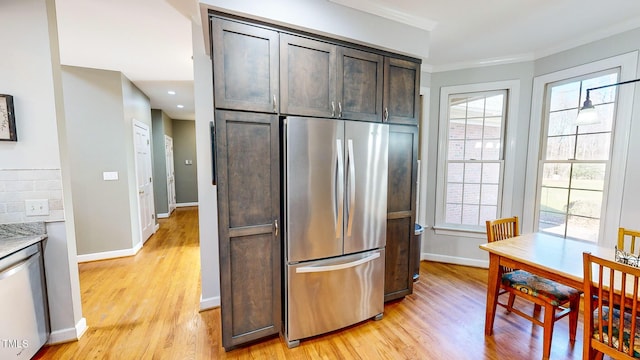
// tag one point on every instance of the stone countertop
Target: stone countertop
(15, 237)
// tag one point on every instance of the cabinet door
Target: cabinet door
(401, 211)
(401, 91)
(247, 155)
(359, 85)
(245, 66)
(307, 77)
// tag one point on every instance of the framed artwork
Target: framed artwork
(7, 119)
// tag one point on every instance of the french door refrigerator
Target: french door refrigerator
(335, 224)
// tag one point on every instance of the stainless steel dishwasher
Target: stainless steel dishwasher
(24, 319)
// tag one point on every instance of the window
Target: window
(610, 166)
(472, 137)
(575, 160)
(474, 157)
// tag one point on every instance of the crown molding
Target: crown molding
(482, 63)
(391, 14)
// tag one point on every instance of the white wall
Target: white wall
(207, 196)
(30, 71)
(334, 20)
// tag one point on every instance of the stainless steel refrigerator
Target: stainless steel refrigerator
(335, 224)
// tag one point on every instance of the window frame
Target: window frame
(612, 197)
(512, 88)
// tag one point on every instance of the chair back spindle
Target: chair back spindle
(611, 320)
(627, 240)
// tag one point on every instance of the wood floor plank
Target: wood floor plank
(146, 307)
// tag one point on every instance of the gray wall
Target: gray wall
(101, 106)
(184, 148)
(443, 247)
(161, 125)
(463, 248)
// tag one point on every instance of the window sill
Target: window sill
(470, 233)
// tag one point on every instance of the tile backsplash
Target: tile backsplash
(16, 186)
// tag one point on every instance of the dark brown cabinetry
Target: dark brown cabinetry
(326, 80)
(248, 163)
(262, 72)
(307, 77)
(401, 91)
(401, 211)
(245, 66)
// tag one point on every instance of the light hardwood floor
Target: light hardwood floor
(146, 307)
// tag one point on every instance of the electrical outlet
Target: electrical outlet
(39, 207)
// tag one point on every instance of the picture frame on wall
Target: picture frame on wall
(7, 119)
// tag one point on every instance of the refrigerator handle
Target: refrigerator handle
(351, 179)
(316, 269)
(338, 196)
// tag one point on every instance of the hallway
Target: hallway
(146, 306)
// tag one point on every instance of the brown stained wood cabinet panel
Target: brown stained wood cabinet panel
(325, 80)
(401, 91)
(360, 85)
(401, 211)
(307, 77)
(248, 162)
(398, 275)
(245, 66)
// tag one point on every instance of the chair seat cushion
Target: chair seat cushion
(615, 333)
(550, 291)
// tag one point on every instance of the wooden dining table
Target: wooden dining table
(542, 254)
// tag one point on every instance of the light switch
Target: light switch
(39, 207)
(188, 162)
(110, 175)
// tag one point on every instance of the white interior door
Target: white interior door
(171, 181)
(142, 145)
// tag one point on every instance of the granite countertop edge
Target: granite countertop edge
(15, 237)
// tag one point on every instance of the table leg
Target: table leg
(493, 287)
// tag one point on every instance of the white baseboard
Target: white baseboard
(109, 254)
(70, 334)
(187, 204)
(155, 229)
(209, 303)
(455, 260)
(162, 215)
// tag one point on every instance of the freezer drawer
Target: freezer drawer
(330, 294)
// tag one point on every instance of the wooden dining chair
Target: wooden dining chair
(557, 300)
(611, 322)
(627, 240)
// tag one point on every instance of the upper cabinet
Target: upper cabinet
(401, 91)
(359, 85)
(307, 77)
(245, 66)
(326, 80)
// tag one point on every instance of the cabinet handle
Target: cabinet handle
(339, 109)
(333, 109)
(275, 104)
(276, 229)
(386, 114)
(212, 134)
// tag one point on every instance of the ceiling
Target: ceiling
(149, 41)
